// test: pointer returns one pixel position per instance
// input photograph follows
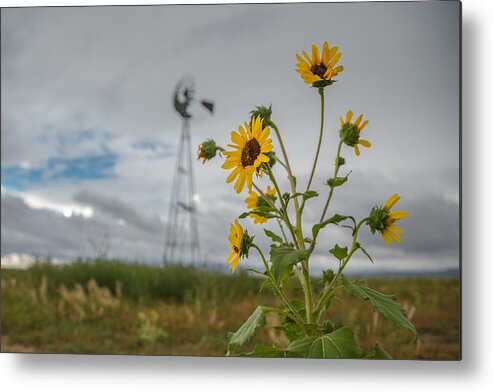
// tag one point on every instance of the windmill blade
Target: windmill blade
(209, 105)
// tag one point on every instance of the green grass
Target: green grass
(139, 281)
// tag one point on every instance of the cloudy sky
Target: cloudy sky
(89, 136)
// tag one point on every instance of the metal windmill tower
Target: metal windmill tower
(182, 242)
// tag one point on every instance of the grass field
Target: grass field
(107, 307)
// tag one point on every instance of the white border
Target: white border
(123, 373)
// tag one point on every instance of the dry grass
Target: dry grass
(91, 318)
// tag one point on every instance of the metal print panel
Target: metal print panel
(274, 180)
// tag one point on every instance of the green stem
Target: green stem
(283, 204)
(327, 291)
(292, 182)
(322, 109)
(336, 171)
(269, 201)
(282, 230)
(305, 276)
(278, 289)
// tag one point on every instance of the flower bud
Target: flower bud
(246, 244)
(208, 150)
(349, 134)
(263, 112)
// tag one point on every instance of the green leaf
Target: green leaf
(301, 347)
(338, 181)
(338, 252)
(264, 351)
(273, 236)
(288, 324)
(385, 304)
(299, 306)
(335, 220)
(306, 196)
(247, 330)
(255, 271)
(265, 211)
(337, 344)
(365, 252)
(283, 258)
(309, 195)
(326, 327)
(268, 285)
(244, 215)
(378, 353)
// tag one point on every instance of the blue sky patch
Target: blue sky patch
(95, 167)
(18, 177)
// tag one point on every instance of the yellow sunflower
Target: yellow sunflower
(251, 143)
(254, 201)
(350, 132)
(235, 241)
(382, 219)
(318, 70)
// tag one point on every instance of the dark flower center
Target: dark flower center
(319, 70)
(250, 152)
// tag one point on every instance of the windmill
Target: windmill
(182, 244)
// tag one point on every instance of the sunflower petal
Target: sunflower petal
(338, 69)
(358, 120)
(386, 238)
(236, 138)
(399, 214)
(302, 61)
(332, 52)
(325, 53)
(240, 182)
(309, 60)
(392, 200)
(334, 60)
(315, 55)
(230, 163)
(234, 174)
(364, 142)
(394, 236)
(349, 116)
(363, 125)
(396, 229)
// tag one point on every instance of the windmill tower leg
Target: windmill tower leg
(182, 236)
(194, 221)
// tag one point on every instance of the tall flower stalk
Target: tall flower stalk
(251, 158)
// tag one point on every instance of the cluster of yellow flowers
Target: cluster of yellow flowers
(250, 147)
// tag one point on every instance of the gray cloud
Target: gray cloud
(119, 210)
(112, 70)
